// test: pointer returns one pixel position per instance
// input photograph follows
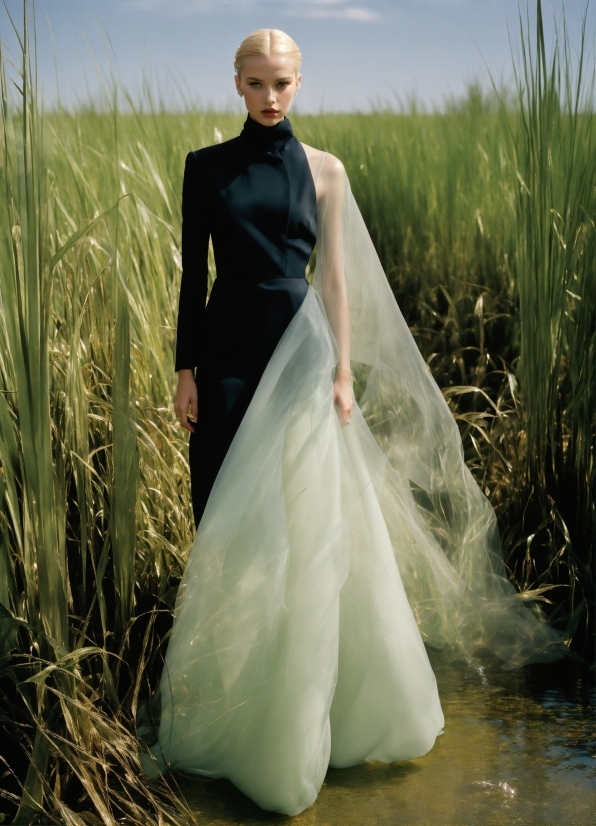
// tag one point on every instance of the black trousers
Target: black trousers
(242, 326)
(222, 405)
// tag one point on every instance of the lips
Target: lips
(269, 112)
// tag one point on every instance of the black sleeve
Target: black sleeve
(195, 248)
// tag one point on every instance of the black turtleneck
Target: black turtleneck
(255, 196)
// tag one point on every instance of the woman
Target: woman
(294, 645)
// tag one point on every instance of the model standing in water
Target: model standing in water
(333, 534)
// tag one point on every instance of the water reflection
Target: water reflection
(518, 748)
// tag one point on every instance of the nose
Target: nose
(269, 96)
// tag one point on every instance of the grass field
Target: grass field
(484, 218)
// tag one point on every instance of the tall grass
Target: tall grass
(553, 154)
(484, 220)
(75, 451)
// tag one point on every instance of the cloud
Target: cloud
(332, 8)
(337, 9)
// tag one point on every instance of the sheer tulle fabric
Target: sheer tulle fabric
(326, 554)
(443, 529)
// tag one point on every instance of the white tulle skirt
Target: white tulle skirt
(294, 646)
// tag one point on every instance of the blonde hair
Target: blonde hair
(265, 42)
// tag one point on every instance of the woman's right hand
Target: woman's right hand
(186, 395)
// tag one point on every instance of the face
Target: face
(268, 85)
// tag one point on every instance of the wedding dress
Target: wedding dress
(326, 556)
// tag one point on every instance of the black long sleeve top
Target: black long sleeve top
(254, 195)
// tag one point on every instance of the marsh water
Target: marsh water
(518, 748)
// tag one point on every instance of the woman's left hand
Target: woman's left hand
(342, 397)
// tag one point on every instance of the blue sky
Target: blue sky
(355, 52)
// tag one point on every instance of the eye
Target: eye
(283, 84)
(254, 83)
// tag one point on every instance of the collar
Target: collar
(266, 137)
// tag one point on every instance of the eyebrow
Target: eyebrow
(287, 77)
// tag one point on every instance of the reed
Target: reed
(74, 452)
(553, 152)
(483, 217)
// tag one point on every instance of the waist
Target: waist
(244, 286)
(242, 280)
(239, 295)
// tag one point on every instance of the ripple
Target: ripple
(517, 749)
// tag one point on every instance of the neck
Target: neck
(258, 135)
(268, 125)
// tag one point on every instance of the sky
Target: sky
(357, 54)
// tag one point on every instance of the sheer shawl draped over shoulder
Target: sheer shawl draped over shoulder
(443, 529)
(326, 556)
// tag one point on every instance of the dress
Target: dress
(325, 557)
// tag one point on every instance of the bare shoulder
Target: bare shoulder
(331, 165)
(311, 153)
(327, 170)
(333, 171)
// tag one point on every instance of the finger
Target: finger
(188, 425)
(182, 419)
